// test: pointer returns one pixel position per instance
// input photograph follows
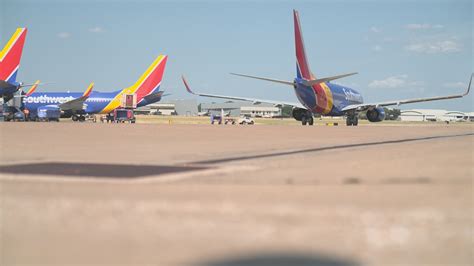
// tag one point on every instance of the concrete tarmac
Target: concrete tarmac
(144, 194)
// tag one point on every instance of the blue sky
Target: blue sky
(401, 49)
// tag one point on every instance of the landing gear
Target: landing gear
(303, 115)
(79, 118)
(352, 119)
(307, 119)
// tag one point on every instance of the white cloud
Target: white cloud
(434, 47)
(375, 29)
(394, 82)
(64, 35)
(390, 82)
(96, 30)
(455, 85)
(424, 26)
(377, 48)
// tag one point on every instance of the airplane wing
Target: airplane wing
(78, 103)
(365, 106)
(253, 100)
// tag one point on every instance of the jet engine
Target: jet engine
(376, 115)
(298, 113)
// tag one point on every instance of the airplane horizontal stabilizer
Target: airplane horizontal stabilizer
(291, 83)
(4, 84)
(322, 80)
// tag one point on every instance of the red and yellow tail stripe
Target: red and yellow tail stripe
(146, 84)
(11, 54)
(325, 99)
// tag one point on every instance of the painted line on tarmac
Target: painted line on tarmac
(329, 148)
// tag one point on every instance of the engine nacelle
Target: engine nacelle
(298, 113)
(376, 115)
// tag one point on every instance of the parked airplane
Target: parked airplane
(321, 96)
(76, 105)
(10, 57)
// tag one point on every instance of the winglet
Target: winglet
(32, 89)
(89, 90)
(187, 85)
(469, 86)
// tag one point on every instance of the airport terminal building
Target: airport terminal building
(435, 115)
(186, 107)
(242, 108)
(190, 107)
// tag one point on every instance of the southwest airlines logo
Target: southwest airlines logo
(47, 99)
(350, 96)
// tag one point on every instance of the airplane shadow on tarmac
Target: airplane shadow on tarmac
(95, 169)
(139, 171)
(281, 260)
(319, 149)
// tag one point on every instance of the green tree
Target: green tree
(391, 114)
(286, 111)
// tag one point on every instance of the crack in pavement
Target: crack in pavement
(328, 148)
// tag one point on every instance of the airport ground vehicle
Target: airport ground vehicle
(124, 115)
(48, 113)
(229, 121)
(220, 119)
(246, 120)
(216, 118)
(11, 113)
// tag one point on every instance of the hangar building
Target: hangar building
(171, 107)
(242, 108)
(434, 115)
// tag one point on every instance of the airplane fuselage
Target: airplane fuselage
(326, 98)
(97, 103)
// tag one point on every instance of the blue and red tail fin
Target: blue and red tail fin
(10, 56)
(150, 81)
(302, 66)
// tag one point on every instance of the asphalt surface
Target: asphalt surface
(124, 194)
